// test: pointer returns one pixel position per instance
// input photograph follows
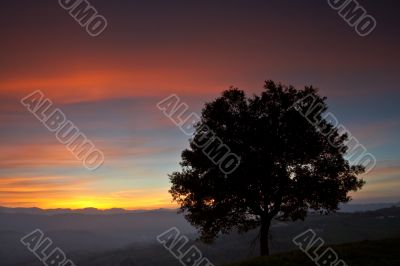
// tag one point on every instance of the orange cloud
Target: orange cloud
(100, 84)
(54, 154)
(36, 155)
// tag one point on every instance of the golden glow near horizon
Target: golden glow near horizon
(74, 197)
(101, 203)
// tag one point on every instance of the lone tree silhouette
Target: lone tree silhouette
(287, 166)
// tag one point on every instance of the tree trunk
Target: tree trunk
(264, 237)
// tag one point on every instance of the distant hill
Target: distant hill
(366, 207)
(365, 253)
(350, 207)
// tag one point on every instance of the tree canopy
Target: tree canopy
(287, 167)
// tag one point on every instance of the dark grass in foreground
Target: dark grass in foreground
(365, 253)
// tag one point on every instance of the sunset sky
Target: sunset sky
(109, 87)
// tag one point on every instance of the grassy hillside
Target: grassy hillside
(365, 253)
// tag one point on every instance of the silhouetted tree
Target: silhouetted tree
(287, 166)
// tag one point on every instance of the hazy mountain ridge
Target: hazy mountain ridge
(94, 211)
(367, 206)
